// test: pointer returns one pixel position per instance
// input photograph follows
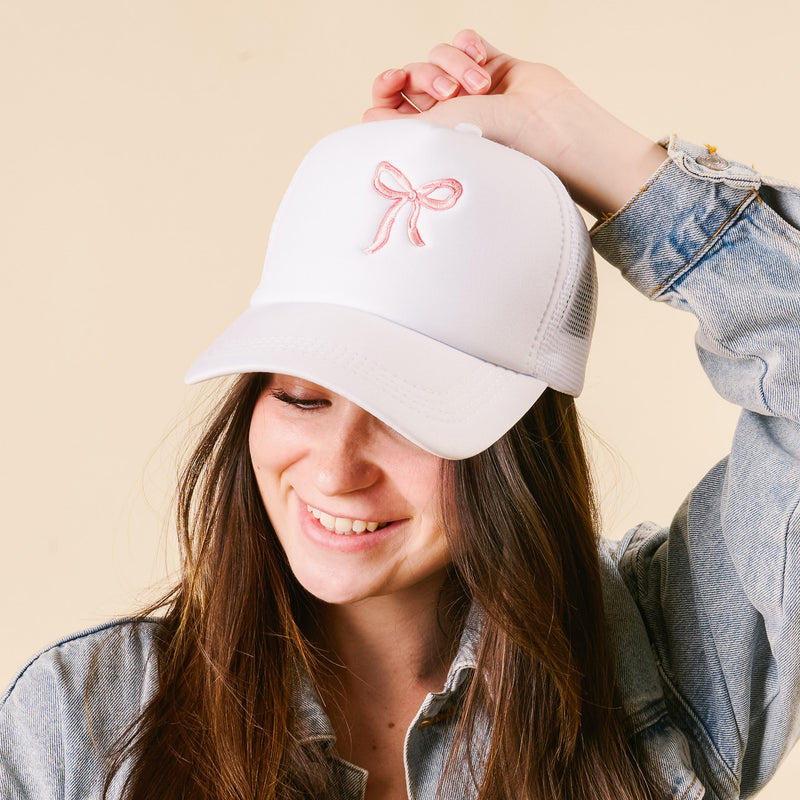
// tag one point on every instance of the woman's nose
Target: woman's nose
(345, 460)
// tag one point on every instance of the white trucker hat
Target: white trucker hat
(435, 278)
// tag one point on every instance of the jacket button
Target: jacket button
(713, 161)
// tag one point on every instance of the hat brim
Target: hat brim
(447, 402)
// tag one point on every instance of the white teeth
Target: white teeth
(342, 525)
(327, 521)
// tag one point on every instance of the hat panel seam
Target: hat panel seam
(544, 322)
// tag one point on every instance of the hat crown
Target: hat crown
(438, 230)
(437, 279)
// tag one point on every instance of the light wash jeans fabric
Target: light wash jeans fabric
(704, 615)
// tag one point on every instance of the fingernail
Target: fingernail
(476, 54)
(444, 86)
(475, 80)
(390, 73)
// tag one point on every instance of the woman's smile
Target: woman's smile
(324, 534)
(354, 505)
(343, 525)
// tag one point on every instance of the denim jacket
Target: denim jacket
(704, 615)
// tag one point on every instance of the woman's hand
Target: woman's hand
(531, 107)
(472, 81)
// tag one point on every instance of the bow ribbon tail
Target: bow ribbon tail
(413, 231)
(385, 228)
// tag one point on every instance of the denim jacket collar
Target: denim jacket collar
(315, 725)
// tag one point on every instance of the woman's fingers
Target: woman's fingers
(468, 59)
(461, 67)
(415, 88)
(388, 99)
(376, 114)
(423, 84)
(475, 46)
(387, 89)
(452, 71)
(428, 84)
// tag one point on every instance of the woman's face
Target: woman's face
(354, 504)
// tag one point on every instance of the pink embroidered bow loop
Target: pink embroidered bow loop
(407, 194)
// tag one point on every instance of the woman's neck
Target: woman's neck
(395, 643)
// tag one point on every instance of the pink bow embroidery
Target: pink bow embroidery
(407, 194)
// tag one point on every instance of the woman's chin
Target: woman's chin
(335, 590)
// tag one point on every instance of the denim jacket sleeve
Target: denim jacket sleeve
(719, 590)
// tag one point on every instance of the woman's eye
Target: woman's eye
(305, 403)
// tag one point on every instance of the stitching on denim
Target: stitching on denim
(609, 217)
(784, 235)
(692, 262)
(640, 544)
(752, 195)
(795, 515)
(650, 715)
(689, 788)
(761, 392)
(745, 356)
(783, 223)
(708, 747)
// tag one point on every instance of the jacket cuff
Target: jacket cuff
(672, 221)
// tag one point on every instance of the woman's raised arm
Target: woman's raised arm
(719, 588)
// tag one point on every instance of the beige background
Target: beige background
(143, 150)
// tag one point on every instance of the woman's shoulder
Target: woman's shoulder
(97, 678)
(123, 649)
(68, 706)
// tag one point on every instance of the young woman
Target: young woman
(393, 584)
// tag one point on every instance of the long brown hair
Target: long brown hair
(522, 525)
(238, 632)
